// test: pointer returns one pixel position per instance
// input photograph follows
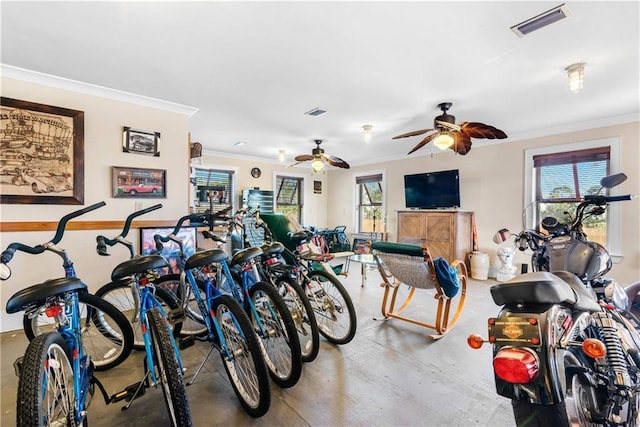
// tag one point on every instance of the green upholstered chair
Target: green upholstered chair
(412, 265)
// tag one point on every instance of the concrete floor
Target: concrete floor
(391, 374)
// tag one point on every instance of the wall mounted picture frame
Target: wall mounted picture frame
(140, 142)
(41, 154)
(170, 250)
(139, 182)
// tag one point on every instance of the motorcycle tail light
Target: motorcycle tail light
(516, 365)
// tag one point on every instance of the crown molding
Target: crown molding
(35, 77)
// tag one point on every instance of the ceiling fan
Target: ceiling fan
(450, 135)
(318, 158)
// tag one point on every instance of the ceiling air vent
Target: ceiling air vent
(542, 20)
(315, 112)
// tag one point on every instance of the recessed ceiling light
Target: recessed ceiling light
(239, 143)
(316, 112)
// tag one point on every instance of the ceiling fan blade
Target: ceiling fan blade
(335, 161)
(462, 144)
(451, 126)
(414, 133)
(304, 157)
(480, 130)
(424, 142)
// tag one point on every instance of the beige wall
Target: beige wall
(103, 122)
(492, 183)
(315, 211)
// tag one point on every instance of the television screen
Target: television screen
(432, 190)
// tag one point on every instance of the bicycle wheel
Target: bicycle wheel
(120, 296)
(335, 314)
(45, 386)
(192, 324)
(242, 358)
(303, 316)
(278, 335)
(168, 372)
(106, 333)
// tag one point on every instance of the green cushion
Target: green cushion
(398, 248)
(279, 227)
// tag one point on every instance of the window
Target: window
(369, 200)
(214, 189)
(557, 176)
(562, 179)
(289, 196)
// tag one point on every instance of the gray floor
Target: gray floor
(391, 374)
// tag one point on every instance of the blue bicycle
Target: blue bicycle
(56, 374)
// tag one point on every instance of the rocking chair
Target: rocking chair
(413, 266)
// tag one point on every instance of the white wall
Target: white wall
(103, 122)
(492, 185)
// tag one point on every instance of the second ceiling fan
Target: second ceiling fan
(450, 135)
(318, 158)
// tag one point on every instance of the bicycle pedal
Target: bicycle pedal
(186, 342)
(17, 365)
(128, 393)
(176, 316)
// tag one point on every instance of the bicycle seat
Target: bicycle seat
(298, 237)
(245, 255)
(205, 257)
(37, 294)
(137, 265)
(273, 248)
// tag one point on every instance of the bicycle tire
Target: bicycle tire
(243, 363)
(278, 335)
(119, 295)
(192, 324)
(107, 337)
(332, 305)
(46, 362)
(169, 373)
(303, 317)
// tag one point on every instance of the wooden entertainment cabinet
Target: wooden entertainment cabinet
(447, 233)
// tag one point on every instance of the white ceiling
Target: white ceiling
(252, 69)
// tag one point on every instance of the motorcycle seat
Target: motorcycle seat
(541, 287)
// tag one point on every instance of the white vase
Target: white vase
(479, 265)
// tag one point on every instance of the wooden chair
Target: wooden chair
(413, 266)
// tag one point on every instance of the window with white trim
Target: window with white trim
(369, 200)
(557, 177)
(289, 198)
(214, 188)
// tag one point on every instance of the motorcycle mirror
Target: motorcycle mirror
(5, 272)
(501, 236)
(613, 180)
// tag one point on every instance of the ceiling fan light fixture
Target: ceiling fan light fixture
(367, 135)
(317, 165)
(444, 140)
(575, 72)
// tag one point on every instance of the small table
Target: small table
(366, 262)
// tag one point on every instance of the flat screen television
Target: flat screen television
(432, 190)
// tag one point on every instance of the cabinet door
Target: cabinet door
(412, 228)
(440, 239)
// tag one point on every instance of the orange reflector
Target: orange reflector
(53, 311)
(475, 341)
(594, 348)
(516, 365)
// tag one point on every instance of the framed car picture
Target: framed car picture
(139, 182)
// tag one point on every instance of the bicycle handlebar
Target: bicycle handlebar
(8, 253)
(103, 241)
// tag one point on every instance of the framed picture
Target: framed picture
(170, 250)
(139, 182)
(41, 154)
(140, 142)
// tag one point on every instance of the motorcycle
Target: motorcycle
(565, 345)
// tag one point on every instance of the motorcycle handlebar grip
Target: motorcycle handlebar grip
(618, 198)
